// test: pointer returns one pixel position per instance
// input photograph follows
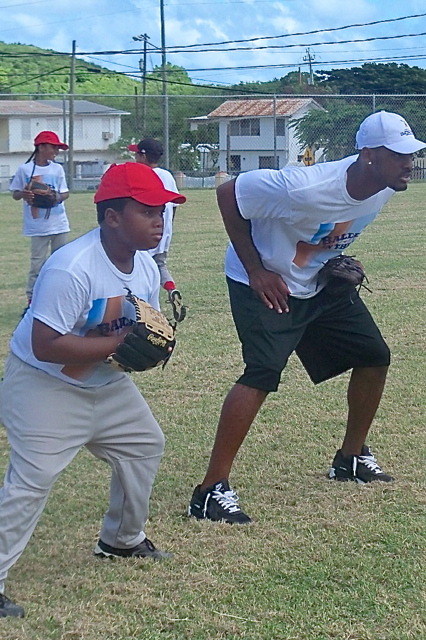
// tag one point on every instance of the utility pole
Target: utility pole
(144, 37)
(165, 99)
(275, 132)
(309, 58)
(136, 110)
(71, 121)
(142, 67)
(145, 40)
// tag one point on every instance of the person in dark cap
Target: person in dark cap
(149, 151)
(45, 227)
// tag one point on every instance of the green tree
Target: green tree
(333, 130)
(375, 78)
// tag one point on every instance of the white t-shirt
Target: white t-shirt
(300, 218)
(170, 184)
(80, 291)
(35, 223)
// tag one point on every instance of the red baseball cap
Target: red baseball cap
(49, 137)
(137, 181)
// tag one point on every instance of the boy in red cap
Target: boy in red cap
(44, 226)
(73, 397)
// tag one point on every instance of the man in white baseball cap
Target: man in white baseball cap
(283, 226)
(390, 130)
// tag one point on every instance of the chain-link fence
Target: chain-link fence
(205, 138)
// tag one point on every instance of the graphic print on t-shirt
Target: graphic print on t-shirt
(329, 237)
(108, 316)
(325, 238)
(37, 212)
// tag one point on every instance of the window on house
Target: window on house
(245, 127)
(267, 162)
(234, 164)
(280, 126)
(26, 130)
(106, 124)
(78, 128)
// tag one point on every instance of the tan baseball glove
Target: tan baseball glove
(149, 344)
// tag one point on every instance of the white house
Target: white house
(96, 127)
(255, 133)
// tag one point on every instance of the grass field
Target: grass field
(322, 561)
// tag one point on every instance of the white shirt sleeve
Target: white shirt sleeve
(18, 181)
(62, 183)
(262, 193)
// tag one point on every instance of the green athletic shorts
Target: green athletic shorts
(330, 334)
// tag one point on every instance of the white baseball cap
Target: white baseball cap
(390, 130)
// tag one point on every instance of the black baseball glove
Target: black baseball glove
(343, 272)
(149, 344)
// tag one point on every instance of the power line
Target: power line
(22, 4)
(137, 74)
(187, 48)
(41, 75)
(310, 44)
(289, 65)
(306, 33)
(99, 15)
(268, 47)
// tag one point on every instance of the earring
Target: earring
(370, 163)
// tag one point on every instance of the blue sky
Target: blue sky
(108, 25)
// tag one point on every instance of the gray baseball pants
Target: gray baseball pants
(47, 422)
(39, 249)
(161, 260)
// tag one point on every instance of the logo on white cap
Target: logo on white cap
(390, 130)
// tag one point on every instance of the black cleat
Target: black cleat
(218, 503)
(9, 608)
(178, 308)
(362, 469)
(145, 549)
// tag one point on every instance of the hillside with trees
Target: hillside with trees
(31, 72)
(34, 73)
(374, 78)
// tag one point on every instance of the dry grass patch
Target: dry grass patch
(321, 561)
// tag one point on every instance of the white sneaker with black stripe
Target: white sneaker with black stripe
(218, 503)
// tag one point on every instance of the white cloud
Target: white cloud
(100, 25)
(356, 10)
(211, 27)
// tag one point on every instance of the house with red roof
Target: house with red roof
(256, 133)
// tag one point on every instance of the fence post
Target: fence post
(71, 121)
(220, 178)
(275, 132)
(179, 178)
